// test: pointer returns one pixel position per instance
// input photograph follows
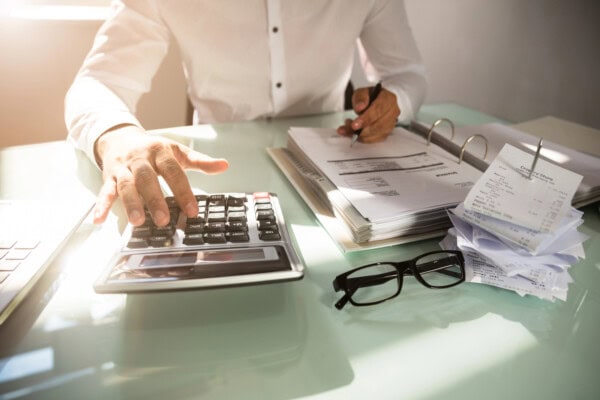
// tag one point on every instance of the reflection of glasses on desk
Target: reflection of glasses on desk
(378, 282)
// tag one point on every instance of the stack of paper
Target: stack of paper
(384, 190)
(519, 232)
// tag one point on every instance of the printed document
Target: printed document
(385, 181)
(506, 193)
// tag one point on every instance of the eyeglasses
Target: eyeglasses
(378, 282)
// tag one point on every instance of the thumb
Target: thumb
(198, 161)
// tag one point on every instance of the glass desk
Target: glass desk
(283, 341)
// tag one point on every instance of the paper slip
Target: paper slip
(505, 192)
(518, 237)
(542, 281)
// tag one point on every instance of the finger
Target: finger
(379, 129)
(384, 108)
(346, 129)
(192, 159)
(134, 208)
(147, 185)
(169, 168)
(106, 198)
(360, 100)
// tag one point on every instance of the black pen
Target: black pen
(372, 96)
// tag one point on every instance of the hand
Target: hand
(131, 162)
(376, 120)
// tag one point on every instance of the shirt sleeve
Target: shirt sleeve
(127, 51)
(393, 56)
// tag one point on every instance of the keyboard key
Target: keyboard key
(7, 243)
(3, 276)
(17, 254)
(9, 265)
(27, 244)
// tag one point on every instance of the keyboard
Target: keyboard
(31, 235)
(236, 239)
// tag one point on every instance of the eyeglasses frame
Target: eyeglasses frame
(408, 267)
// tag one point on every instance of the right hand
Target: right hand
(131, 162)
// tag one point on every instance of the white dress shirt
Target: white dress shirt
(243, 59)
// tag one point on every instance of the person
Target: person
(243, 60)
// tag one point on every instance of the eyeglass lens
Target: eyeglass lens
(439, 269)
(373, 283)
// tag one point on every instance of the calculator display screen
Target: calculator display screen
(199, 257)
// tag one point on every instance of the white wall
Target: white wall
(515, 59)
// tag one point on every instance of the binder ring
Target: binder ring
(436, 123)
(462, 149)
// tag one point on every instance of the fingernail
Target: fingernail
(135, 216)
(191, 209)
(160, 217)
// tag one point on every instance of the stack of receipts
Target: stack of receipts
(518, 230)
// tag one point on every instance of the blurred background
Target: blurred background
(513, 59)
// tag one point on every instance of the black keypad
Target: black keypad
(222, 218)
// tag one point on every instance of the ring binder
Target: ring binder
(436, 123)
(462, 149)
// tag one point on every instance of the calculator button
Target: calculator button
(237, 237)
(236, 216)
(263, 206)
(193, 238)
(167, 230)
(217, 199)
(141, 232)
(236, 200)
(194, 228)
(233, 226)
(137, 243)
(216, 209)
(214, 238)
(195, 220)
(269, 234)
(268, 215)
(171, 202)
(160, 241)
(215, 227)
(216, 217)
(267, 224)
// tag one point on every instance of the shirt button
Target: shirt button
(275, 29)
(278, 84)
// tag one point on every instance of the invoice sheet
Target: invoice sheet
(391, 179)
(507, 193)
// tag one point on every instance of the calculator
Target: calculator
(236, 239)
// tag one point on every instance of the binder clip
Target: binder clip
(469, 139)
(436, 123)
(535, 158)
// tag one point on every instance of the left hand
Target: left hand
(377, 120)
